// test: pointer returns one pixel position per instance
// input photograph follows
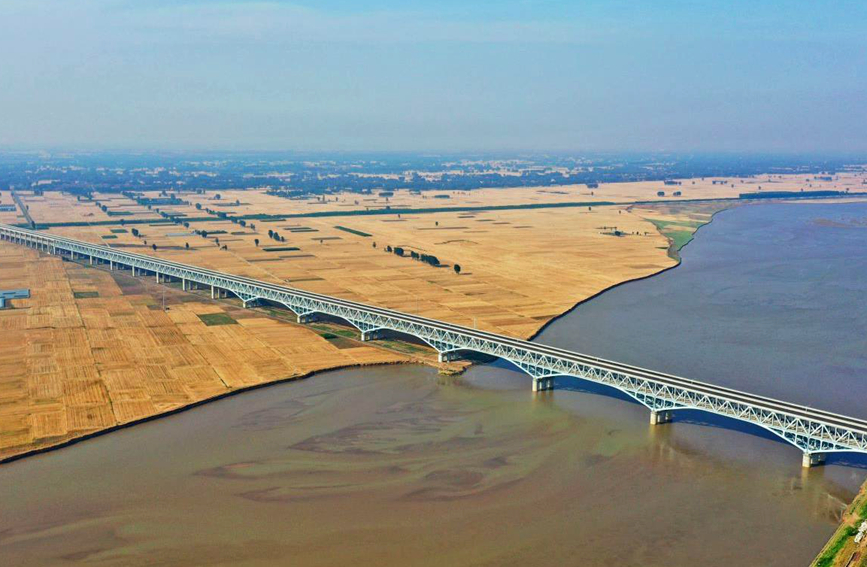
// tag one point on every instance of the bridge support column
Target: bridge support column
(659, 417)
(448, 356)
(158, 277)
(184, 284)
(111, 265)
(543, 384)
(90, 259)
(812, 459)
(213, 293)
(371, 335)
(306, 318)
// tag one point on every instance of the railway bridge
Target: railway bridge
(815, 432)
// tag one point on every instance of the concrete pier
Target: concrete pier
(306, 318)
(543, 384)
(812, 459)
(371, 335)
(659, 417)
(448, 356)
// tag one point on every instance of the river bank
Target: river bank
(386, 454)
(94, 350)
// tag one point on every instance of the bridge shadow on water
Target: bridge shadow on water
(699, 417)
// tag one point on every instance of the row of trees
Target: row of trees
(426, 258)
(273, 234)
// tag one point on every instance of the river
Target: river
(399, 466)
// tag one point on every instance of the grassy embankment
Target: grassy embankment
(679, 233)
(841, 550)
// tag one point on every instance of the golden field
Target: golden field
(85, 354)
(520, 268)
(99, 351)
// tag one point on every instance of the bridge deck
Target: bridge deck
(814, 431)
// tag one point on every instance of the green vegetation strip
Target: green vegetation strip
(85, 294)
(280, 249)
(119, 230)
(352, 231)
(679, 238)
(830, 554)
(212, 319)
(109, 237)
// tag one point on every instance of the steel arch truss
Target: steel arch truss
(809, 435)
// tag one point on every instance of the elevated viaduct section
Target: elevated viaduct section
(815, 432)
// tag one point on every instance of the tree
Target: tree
(457, 268)
(374, 244)
(270, 233)
(388, 248)
(198, 206)
(398, 250)
(204, 234)
(187, 245)
(217, 240)
(135, 232)
(256, 240)
(154, 246)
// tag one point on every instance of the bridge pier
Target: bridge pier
(448, 356)
(812, 459)
(371, 335)
(543, 384)
(659, 417)
(305, 318)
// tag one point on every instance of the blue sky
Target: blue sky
(505, 75)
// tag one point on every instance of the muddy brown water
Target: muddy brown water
(398, 466)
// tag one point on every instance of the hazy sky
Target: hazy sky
(758, 75)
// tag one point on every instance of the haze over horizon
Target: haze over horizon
(510, 75)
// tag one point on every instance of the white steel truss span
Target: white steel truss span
(814, 431)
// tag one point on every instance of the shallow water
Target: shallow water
(395, 465)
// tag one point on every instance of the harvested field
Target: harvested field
(84, 354)
(513, 280)
(91, 351)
